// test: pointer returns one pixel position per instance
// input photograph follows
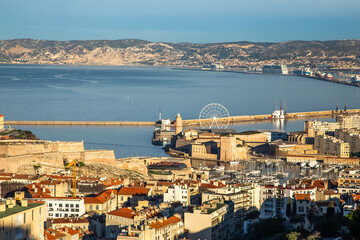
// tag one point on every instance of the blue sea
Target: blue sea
(98, 93)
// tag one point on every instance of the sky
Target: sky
(196, 21)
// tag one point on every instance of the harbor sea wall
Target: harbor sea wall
(83, 123)
(186, 123)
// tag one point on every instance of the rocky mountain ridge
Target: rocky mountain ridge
(140, 52)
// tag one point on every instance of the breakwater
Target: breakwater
(189, 122)
(83, 123)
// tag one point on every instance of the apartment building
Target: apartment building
(243, 197)
(63, 207)
(351, 136)
(22, 219)
(212, 220)
(331, 146)
(101, 203)
(178, 193)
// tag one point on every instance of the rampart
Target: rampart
(140, 164)
(16, 153)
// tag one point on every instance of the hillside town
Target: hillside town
(49, 192)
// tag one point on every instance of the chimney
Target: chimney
(19, 195)
(2, 207)
(23, 203)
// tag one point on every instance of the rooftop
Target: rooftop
(16, 209)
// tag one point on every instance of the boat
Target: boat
(278, 114)
(313, 164)
(304, 165)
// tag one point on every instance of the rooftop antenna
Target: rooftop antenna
(160, 114)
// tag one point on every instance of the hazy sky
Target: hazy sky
(181, 20)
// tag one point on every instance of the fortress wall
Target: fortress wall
(27, 148)
(257, 137)
(11, 164)
(3, 150)
(102, 156)
(132, 164)
(68, 146)
(69, 156)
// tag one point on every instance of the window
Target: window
(97, 207)
(91, 207)
(72, 205)
(77, 205)
(60, 205)
(66, 205)
(24, 218)
(50, 204)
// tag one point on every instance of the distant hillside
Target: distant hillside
(139, 52)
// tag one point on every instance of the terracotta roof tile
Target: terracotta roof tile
(163, 223)
(302, 197)
(134, 191)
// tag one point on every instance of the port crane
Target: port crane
(73, 164)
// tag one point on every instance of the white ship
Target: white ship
(278, 114)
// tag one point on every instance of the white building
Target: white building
(178, 193)
(63, 207)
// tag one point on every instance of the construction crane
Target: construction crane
(73, 164)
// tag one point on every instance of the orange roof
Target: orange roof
(50, 182)
(319, 184)
(208, 185)
(52, 234)
(305, 196)
(69, 230)
(100, 198)
(163, 223)
(69, 220)
(133, 191)
(356, 197)
(124, 212)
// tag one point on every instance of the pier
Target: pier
(186, 123)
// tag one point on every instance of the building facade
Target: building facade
(213, 220)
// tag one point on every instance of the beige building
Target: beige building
(348, 121)
(314, 128)
(243, 197)
(230, 151)
(331, 146)
(22, 219)
(213, 220)
(56, 187)
(351, 136)
(1, 122)
(101, 203)
(285, 149)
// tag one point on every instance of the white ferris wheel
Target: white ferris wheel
(214, 115)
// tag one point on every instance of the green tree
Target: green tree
(354, 223)
(266, 228)
(293, 236)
